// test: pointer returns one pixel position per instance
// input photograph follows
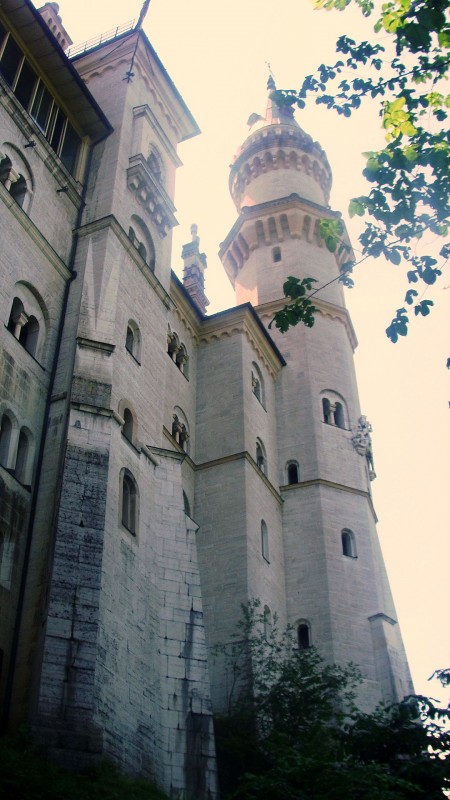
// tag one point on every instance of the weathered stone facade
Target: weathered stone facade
(159, 467)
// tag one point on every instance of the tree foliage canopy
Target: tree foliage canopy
(410, 176)
(295, 731)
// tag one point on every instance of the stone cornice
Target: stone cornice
(111, 223)
(332, 485)
(269, 208)
(244, 455)
(267, 310)
(35, 234)
(243, 320)
(93, 344)
(151, 195)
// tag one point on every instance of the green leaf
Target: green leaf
(410, 295)
(423, 308)
(356, 208)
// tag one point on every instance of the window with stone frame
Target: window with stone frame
(334, 410)
(129, 502)
(348, 543)
(265, 541)
(304, 635)
(292, 472)
(133, 340)
(261, 459)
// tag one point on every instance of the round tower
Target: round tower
(337, 593)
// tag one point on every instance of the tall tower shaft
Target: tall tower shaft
(337, 592)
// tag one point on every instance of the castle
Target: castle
(158, 466)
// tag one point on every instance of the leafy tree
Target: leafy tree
(295, 730)
(410, 176)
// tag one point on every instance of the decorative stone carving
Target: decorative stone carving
(148, 190)
(362, 442)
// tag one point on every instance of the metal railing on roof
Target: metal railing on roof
(77, 49)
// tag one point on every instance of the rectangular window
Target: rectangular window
(42, 105)
(10, 61)
(70, 148)
(25, 85)
(56, 128)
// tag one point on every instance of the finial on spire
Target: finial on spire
(271, 79)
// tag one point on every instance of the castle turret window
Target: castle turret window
(261, 460)
(348, 543)
(334, 411)
(5, 440)
(293, 474)
(128, 424)
(303, 636)
(267, 622)
(264, 541)
(6, 560)
(22, 470)
(180, 429)
(133, 340)
(129, 502)
(276, 254)
(258, 384)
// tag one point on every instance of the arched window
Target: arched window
(129, 502)
(339, 415)
(173, 344)
(155, 164)
(15, 175)
(142, 240)
(22, 469)
(273, 236)
(29, 335)
(264, 541)
(182, 360)
(261, 460)
(258, 383)
(303, 635)
(133, 340)
(128, 424)
(27, 319)
(5, 440)
(6, 559)
(267, 622)
(285, 226)
(292, 472)
(180, 428)
(18, 190)
(326, 408)
(17, 317)
(276, 254)
(129, 341)
(348, 543)
(260, 238)
(334, 410)
(306, 228)
(187, 508)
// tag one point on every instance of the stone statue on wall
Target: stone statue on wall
(362, 442)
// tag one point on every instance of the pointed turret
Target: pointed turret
(277, 159)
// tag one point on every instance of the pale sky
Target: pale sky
(216, 54)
